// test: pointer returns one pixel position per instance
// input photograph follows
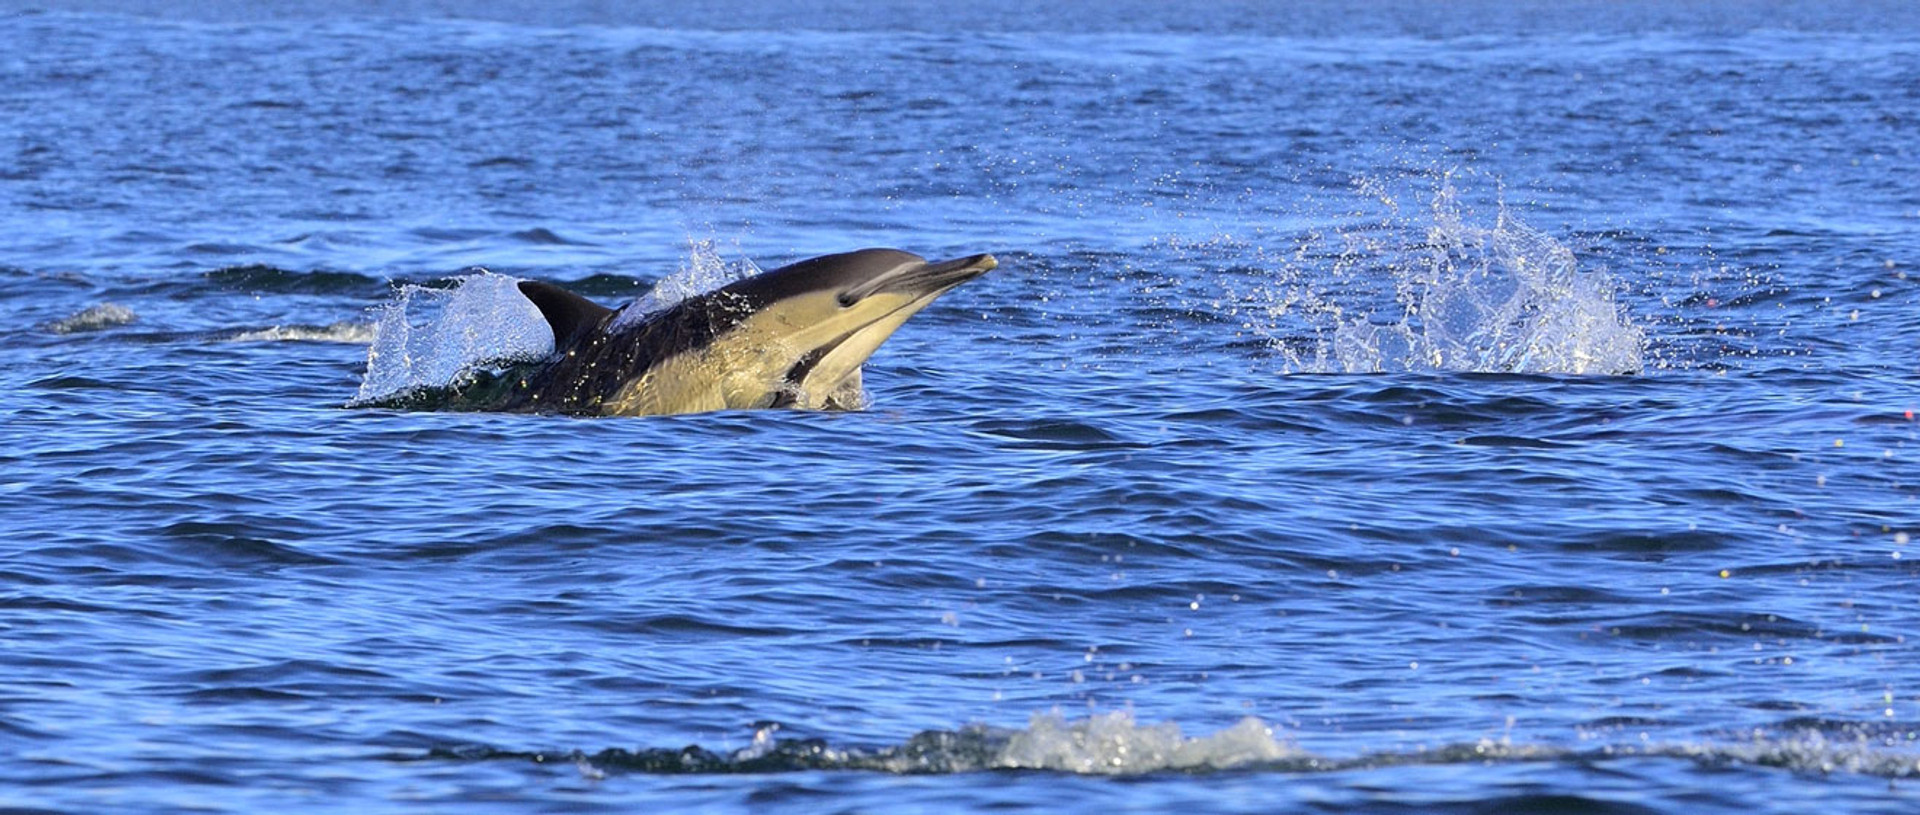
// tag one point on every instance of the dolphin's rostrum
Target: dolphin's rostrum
(792, 337)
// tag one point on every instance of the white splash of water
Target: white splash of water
(1888, 755)
(343, 331)
(93, 318)
(1451, 289)
(703, 271)
(1112, 743)
(431, 338)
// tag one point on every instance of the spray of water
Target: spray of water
(1114, 744)
(435, 338)
(1444, 287)
(703, 271)
(345, 331)
(94, 318)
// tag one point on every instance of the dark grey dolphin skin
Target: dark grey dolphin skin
(792, 337)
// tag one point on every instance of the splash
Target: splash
(1113, 744)
(1449, 288)
(1105, 744)
(704, 271)
(93, 318)
(351, 333)
(430, 338)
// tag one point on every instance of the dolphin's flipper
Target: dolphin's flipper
(569, 314)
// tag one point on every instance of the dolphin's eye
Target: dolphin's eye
(847, 299)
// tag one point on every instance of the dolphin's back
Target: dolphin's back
(590, 366)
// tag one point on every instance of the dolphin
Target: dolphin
(792, 337)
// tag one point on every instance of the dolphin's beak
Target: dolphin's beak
(962, 269)
(935, 277)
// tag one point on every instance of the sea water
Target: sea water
(1396, 407)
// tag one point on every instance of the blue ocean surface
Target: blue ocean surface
(1388, 406)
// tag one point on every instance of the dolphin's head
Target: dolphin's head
(828, 314)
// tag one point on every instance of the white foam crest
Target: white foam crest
(343, 331)
(703, 271)
(432, 338)
(1462, 291)
(93, 318)
(1112, 743)
(1810, 751)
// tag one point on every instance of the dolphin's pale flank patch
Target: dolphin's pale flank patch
(792, 337)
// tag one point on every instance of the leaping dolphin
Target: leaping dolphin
(792, 337)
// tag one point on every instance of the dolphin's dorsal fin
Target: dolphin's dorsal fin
(569, 314)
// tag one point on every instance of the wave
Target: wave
(1115, 744)
(22, 283)
(257, 278)
(546, 237)
(260, 277)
